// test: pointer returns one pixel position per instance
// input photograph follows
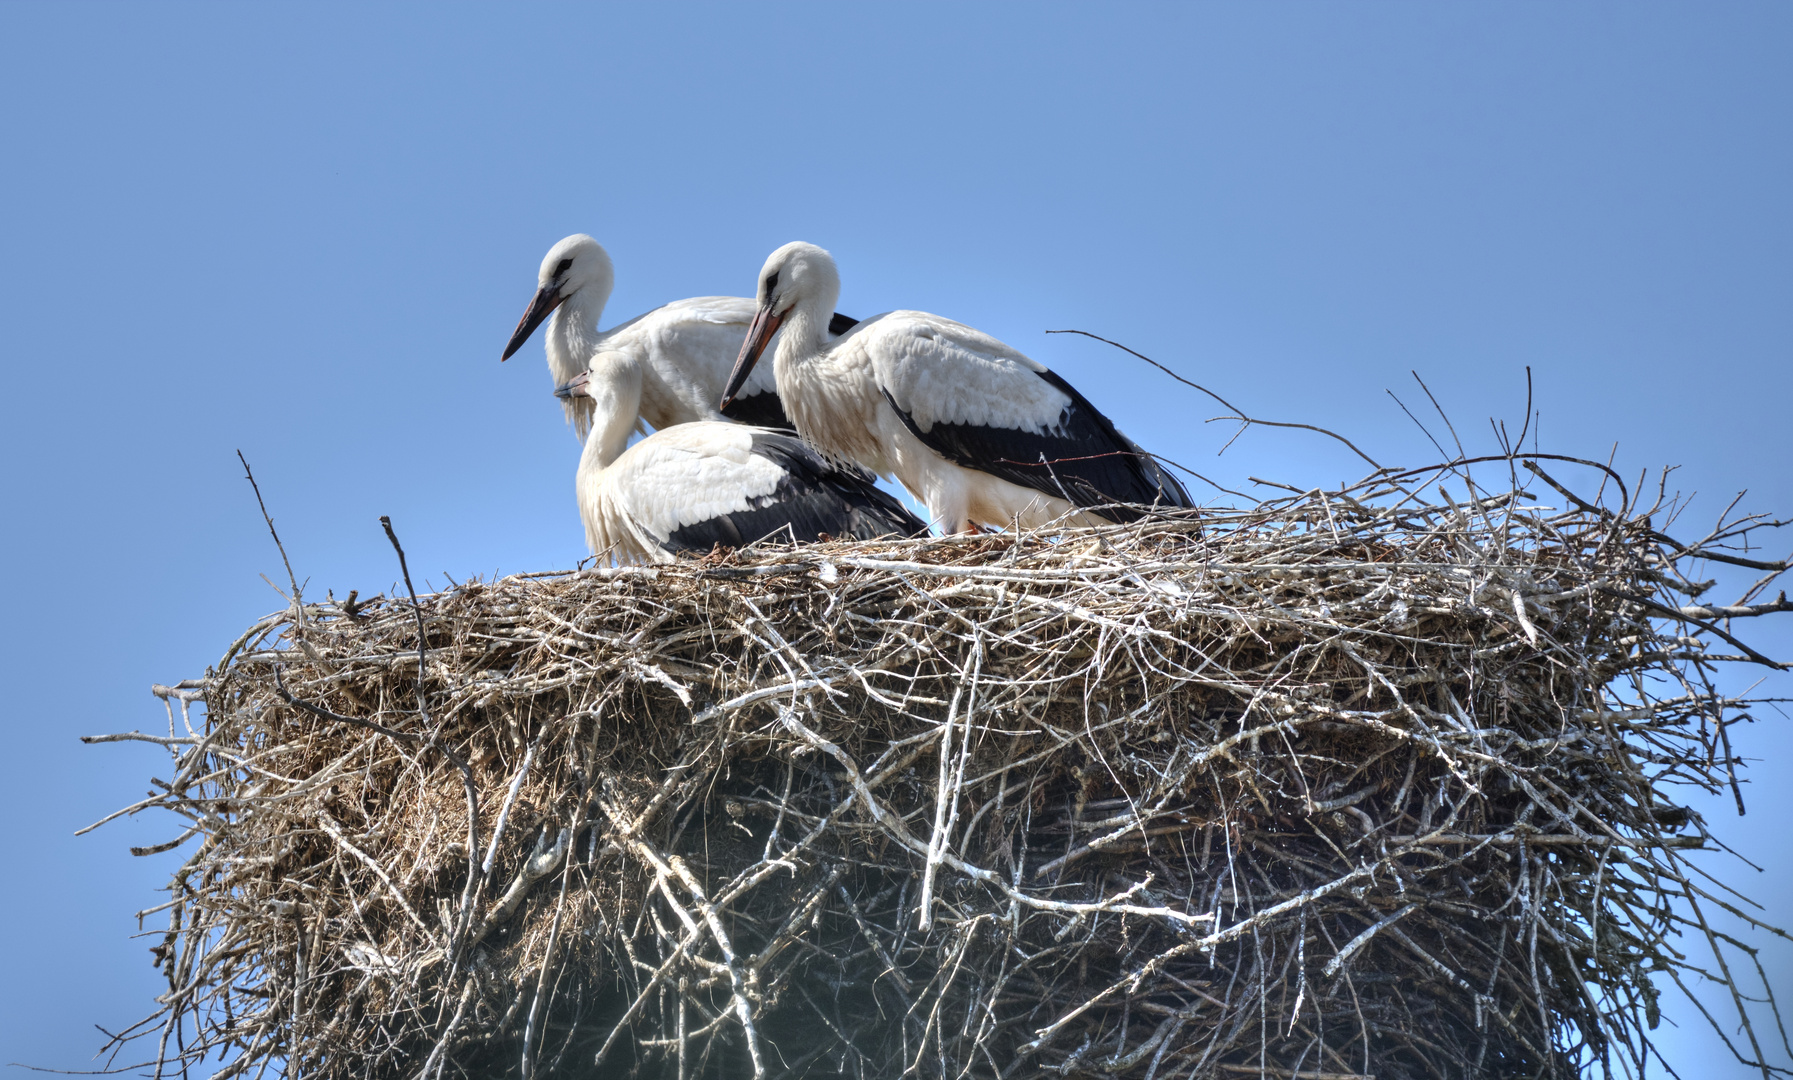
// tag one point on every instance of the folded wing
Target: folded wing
(983, 405)
(693, 486)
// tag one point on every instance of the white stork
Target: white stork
(974, 429)
(691, 486)
(684, 347)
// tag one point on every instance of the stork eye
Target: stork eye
(561, 269)
(771, 282)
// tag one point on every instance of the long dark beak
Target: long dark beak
(765, 324)
(569, 390)
(546, 300)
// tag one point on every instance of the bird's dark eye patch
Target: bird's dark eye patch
(771, 282)
(562, 267)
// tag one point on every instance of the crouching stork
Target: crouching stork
(691, 486)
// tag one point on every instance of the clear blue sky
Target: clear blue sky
(306, 232)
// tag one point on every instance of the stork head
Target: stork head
(574, 264)
(797, 273)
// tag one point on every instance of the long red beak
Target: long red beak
(546, 300)
(765, 324)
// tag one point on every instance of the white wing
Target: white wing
(687, 348)
(984, 406)
(724, 310)
(942, 372)
(688, 474)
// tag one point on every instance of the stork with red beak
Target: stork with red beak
(978, 432)
(689, 487)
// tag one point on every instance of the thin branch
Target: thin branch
(1238, 414)
(249, 475)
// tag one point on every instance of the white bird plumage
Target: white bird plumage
(690, 486)
(972, 427)
(684, 348)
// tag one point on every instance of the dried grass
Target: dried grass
(1344, 784)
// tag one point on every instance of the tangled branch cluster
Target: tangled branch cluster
(1345, 784)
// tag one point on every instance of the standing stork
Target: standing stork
(691, 486)
(979, 432)
(684, 347)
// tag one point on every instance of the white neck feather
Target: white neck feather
(805, 330)
(573, 329)
(615, 395)
(615, 400)
(829, 393)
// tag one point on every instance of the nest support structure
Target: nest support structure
(1346, 784)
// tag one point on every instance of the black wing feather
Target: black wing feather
(763, 409)
(1081, 458)
(813, 498)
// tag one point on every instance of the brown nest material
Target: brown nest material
(1342, 785)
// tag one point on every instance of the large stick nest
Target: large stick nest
(1345, 784)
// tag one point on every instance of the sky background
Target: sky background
(306, 233)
